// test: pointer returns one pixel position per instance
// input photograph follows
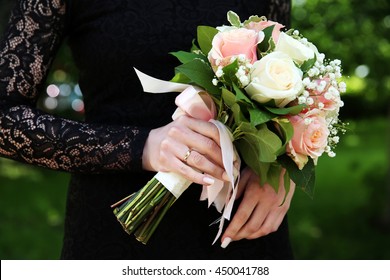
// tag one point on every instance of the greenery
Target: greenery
(349, 216)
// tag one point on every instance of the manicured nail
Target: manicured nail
(226, 242)
(208, 180)
(225, 177)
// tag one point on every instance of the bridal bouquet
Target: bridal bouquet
(275, 100)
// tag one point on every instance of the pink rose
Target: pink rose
(232, 43)
(310, 137)
(195, 103)
(259, 26)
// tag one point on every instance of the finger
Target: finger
(276, 215)
(245, 175)
(201, 136)
(207, 129)
(255, 223)
(270, 224)
(192, 158)
(189, 173)
(240, 218)
(201, 163)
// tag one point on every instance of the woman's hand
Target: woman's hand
(186, 146)
(261, 210)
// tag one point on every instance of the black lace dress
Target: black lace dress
(108, 38)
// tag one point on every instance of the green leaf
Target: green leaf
(250, 154)
(241, 96)
(185, 57)
(238, 114)
(286, 131)
(259, 117)
(307, 64)
(273, 176)
(195, 47)
(294, 110)
(180, 78)
(205, 38)
(254, 18)
(259, 144)
(234, 19)
(229, 73)
(266, 44)
(305, 178)
(285, 127)
(228, 97)
(201, 74)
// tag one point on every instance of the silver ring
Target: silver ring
(187, 155)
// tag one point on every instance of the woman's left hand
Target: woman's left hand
(261, 210)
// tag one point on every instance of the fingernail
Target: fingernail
(208, 180)
(225, 176)
(226, 242)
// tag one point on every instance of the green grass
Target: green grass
(342, 221)
(32, 209)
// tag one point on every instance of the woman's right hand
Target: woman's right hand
(186, 146)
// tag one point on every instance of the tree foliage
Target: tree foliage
(358, 33)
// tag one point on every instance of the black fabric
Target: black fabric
(108, 39)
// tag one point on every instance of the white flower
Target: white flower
(275, 77)
(328, 95)
(294, 48)
(306, 81)
(244, 80)
(301, 100)
(331, 154)
(320, 57)
(219, 72)
(342, 87)
(313, 72)
(309, 101)
(332, 76)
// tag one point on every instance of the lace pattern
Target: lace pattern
(32, 136)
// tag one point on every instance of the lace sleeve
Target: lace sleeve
(27, 134)
(280, 11)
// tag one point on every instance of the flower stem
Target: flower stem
(144, 233)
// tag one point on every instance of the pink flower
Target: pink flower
(195, 103)
(259, 26)
(232, 43)
(310, 137)
(325, 96)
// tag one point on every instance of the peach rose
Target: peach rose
(310, 137)
(261, 25)
(232, 43)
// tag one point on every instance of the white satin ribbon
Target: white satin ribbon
(190, 102)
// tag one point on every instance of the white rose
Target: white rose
(275, 77)
(295, 49)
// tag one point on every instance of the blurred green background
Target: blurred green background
(349, 216)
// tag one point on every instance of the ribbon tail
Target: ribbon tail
(221, 223)
(224, 198)
(153, 85)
